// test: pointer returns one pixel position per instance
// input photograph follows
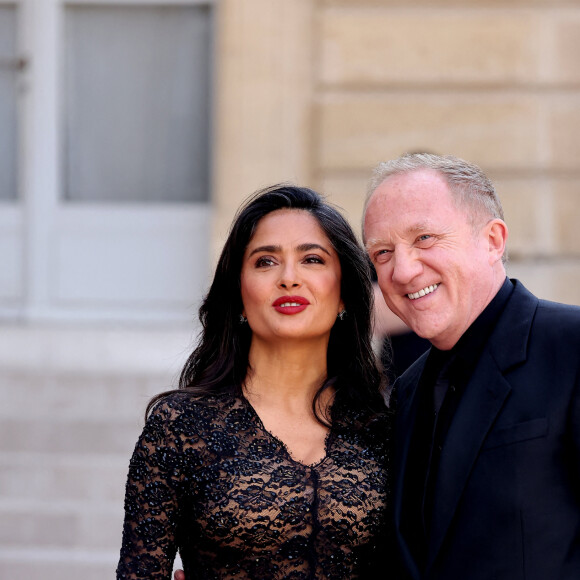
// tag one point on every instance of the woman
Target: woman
(270, 459)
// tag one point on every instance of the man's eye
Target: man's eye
(382, 255)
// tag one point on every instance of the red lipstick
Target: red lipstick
(290, 304)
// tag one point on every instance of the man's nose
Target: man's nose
(406, 266)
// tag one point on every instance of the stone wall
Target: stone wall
(321, 91)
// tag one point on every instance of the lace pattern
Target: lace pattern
(208, 480)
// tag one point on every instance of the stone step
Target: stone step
(118, 350)
(59, 477)
(78, 396)
(60, 524)
(69, 436)
(50, 564)
(46, 564)
(60, 516)
(73, 401)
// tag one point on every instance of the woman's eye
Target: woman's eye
(264, 261)
(313, 260)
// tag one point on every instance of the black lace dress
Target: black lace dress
(207, 479)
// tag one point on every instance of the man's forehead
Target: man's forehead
(386, 233)
(405, 201)
(418, 182)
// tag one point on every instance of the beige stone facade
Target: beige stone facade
(315, 92)
(319, 92)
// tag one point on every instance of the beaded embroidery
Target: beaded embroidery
(206, 479)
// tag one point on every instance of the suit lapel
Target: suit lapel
(406, 413)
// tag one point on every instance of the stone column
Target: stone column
(262, 101)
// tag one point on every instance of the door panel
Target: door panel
(137, 102)
(157, 267)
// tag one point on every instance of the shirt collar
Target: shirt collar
(470, 346)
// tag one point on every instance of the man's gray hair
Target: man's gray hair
(467, 182)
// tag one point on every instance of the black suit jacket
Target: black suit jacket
(507, 494)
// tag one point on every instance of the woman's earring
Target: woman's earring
(243, 319)
(341, 315)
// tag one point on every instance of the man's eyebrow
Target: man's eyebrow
(301, 248)
(419, 227)
(375, 242)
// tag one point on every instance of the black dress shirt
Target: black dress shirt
(440, 388)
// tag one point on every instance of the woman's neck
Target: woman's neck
(281, 386)
(288, 372)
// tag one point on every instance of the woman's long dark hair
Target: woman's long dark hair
(219, 363)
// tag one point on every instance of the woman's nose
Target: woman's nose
(288, 278)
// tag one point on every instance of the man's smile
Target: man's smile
(423, 292)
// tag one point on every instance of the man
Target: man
(487, 459)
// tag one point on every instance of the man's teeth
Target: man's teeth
(283, 305)
(422, 292)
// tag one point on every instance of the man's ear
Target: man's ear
(497, 235)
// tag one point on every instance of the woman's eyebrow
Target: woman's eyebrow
(307, 247)
(270, 249)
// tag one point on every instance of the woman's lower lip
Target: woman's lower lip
(290, 309)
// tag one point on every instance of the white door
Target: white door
(110, 215)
